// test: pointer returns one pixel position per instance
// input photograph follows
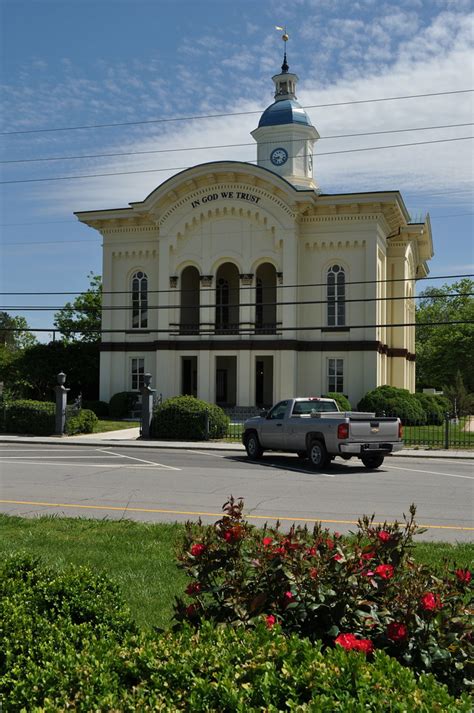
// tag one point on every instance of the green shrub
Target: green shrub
(67, 643)
(391, 401)
(31, 417)
(434, 407)
(100, 408)
(367, 589)
(84, 421)
(122, 403)
(184, 417)
(341, 400)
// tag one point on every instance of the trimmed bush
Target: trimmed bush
(391, 401)
(184, 417)
(83, 422)
(68, 643)
(341, 400)
(433, 407)
(365, 593)
(122, 403)
(100, 408)
(30, 417)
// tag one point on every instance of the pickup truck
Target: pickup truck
(314, 428)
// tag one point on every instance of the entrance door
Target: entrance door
(221, 386)
(226, 381)
(264, 381)
(189, 376)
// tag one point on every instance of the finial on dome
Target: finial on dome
(285, 38)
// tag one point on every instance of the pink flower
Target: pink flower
(337, 557)
(193, 588)
(384, 536)
(385, 571)
(463, 575)
(397, 632)
(288, 598)
(197, 550)
(270, 621)
(430, 601)
(267, 541)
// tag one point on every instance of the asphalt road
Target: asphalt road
(158, 485)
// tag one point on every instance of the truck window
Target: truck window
(306, 407)
(278, 411)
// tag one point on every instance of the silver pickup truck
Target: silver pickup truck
(314, 428)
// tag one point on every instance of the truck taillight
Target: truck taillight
(400, 429)
(343, 430)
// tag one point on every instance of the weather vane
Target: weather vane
(285, 35)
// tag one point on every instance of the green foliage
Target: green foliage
(435, 407)
(29, 417)
(68, 643)
(391, 401)
(461, 402)
(184, 417)
(341, 400)
(80, 321)
(367, 589)
(443, 350)
(122, 403)
(84, 421)
(14, 340)
(100, 408)
(34, 371)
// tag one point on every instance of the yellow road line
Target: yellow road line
(212, 514)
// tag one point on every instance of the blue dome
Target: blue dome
(285, 111)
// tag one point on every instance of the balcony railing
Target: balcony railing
(210, 329)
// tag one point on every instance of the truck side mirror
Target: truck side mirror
(263, 413)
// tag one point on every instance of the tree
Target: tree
(14, 333)
(442, 351)
(462, 403)
(80, 321)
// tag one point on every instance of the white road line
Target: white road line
(110, 466)
(431, 472)
(6, 458)
(141, 460)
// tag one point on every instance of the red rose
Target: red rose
(312, 552)
(197, 550)
(351, 642)
(288, 598)
(364, 645)
(347, 641)
(193, 588)
(385, 571)
(397, 632)
(329, 544)
(337, 557)
(463, 575)
(233, 534)
(270, 621)
(384, 536)
(280, 550)
(267, 541)
(367, 556)
(191, 610)
(430, 601)
(313, 572)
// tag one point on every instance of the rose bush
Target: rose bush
(365, 592)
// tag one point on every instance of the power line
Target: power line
(207, 289)
(225, 146)
(226, 114)
(183, 168)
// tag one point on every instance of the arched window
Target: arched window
(265, 300)
(189, 308)
(227, 299)
(139, 301)
(336, 296)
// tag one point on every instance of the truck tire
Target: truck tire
(318, 455)
(253, 447)
(372, 462)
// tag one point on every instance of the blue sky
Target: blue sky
(75, 62)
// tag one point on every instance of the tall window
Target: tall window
(222, 304)
(139, 301)
(336, 295)
(336, 375)
(265, 300)
(227, 299)
(138, 370)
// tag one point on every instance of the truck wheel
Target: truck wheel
(318, 455)
(253, 447)
(372, 462)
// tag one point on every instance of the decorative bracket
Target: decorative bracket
(246, 278)
(173, 281)
(206, 280)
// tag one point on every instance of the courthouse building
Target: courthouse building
(244, 284)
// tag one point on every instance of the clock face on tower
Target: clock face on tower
(278, 157)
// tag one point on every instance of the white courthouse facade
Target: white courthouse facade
(244, 284)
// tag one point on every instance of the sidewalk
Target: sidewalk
(129, 438)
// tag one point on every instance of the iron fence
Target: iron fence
(450, 433)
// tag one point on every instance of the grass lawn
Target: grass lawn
(140, 557)
(108, 425)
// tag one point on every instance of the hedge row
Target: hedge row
(38, 418)
(411, 408)
(184, 417)
(69, 643)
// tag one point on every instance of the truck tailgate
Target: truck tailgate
(374, 429)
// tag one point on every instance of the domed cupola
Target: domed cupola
(285, 136)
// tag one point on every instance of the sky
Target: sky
(153, 65)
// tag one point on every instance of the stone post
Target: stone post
(147, 405)
(61, 403)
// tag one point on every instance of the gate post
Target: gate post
(446, 431)
(61, 402)
(147, 405)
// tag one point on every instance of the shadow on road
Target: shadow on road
(295, 464)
